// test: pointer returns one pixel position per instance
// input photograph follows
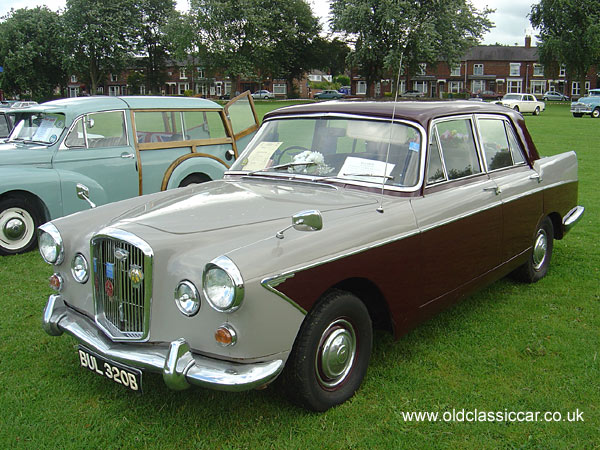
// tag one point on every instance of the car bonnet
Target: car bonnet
(234, 203)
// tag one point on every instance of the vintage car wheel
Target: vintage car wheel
(537, 111)
(596, 113)
(516, 108)
(331, 353)
(195, 178)
(18, 222)
(538, 262)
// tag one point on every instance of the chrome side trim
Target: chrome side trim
(179, 366)
(272, 282)
(572, 217)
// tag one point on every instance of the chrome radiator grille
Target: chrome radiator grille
(122, 286)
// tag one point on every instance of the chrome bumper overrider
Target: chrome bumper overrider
(572, 217)
(179, 367)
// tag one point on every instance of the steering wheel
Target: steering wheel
(280, 153)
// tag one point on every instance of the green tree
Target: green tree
(256, 38)
(383, 32)
(100, 37)
(31, 53)
(152, 42)
(569, 34)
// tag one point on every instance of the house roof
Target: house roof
(501, 53)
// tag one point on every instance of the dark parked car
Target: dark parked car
(337, 218)
(329, 94)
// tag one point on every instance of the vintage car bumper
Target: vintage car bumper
(572, 217)
(581, 108)
(179, 366)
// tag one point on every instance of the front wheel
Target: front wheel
(331, 353)
(538, 261)
(596, 113)
(18, 222)
(516, 108)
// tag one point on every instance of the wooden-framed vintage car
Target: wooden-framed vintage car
(397, 211)
(65, 152)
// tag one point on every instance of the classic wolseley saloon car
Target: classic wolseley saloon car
(65, 153)
(337, 218)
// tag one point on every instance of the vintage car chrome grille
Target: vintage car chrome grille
(122, 274)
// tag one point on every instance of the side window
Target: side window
(495, 143)
(3, 125)
(158, 126)
(515, 148)
(105, 129)
(203, 125)
(76, 139)
(458, 148)
(435, 169)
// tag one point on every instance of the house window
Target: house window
(182, 74)
(538, 86)
(100, 90)
(514, 86)
(422, 69)
(421, 86)
(114, 77)
(315, 78)
(228, 88)
(73, 78)
(576, 90)
(538, 70)
(143, 89)
(361, 88)
(454, 86)
(477, 86)
(183, 87)
(113, 91)
(73, 91)
(477, 69)
(563, 71)
(280, 89)
(515, 69)
(455, 71)
(200, 71)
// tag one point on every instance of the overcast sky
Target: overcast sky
(510, 18)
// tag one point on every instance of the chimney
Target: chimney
(527, 41)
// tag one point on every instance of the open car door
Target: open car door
(243, 119)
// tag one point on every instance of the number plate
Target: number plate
(127, 376)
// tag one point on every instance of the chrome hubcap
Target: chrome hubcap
(14, 229)
(539, 249)
(336, 354)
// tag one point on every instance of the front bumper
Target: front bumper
(581, 108)
(180, 368)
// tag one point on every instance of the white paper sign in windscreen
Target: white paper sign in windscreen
(260, 157)
(362, 169)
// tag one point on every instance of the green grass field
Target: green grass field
(511, 347)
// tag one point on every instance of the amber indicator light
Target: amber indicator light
(223, 336)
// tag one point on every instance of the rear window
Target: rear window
(173, 126)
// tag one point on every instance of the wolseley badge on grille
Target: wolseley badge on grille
(136, 275)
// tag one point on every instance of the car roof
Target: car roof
(76, 106)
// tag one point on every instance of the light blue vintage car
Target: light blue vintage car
(66, 155)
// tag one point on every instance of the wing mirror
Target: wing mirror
(83, 192)
(310, 220)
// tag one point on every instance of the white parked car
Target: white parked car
(525, 103)
(263, 94)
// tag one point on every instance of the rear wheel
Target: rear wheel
(331, 353)
(195, 178)
(537, 111)
(19, 219)
(538, 262)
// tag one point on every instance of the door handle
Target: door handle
(494, 189)
(127, 155)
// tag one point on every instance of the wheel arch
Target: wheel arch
(190, 164)
(39, 204)
(556, 220)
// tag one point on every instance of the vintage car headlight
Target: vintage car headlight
(80, 268)
(223, 285)
(51, 244)
(187, 298)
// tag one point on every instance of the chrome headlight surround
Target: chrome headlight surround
(50, 244)
(223, 285)
(187, 298)
(80, 269)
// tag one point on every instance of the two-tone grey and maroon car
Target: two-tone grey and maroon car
(338, 217)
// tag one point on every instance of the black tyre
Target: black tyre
(516, 108)
(19, 218)
(596, 113)
(538, 261)
(537, 111)
(195, 178)
(331, 353)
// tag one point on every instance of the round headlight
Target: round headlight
(187, 298)
(50, 244)
(80, 268)
(223, 285)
